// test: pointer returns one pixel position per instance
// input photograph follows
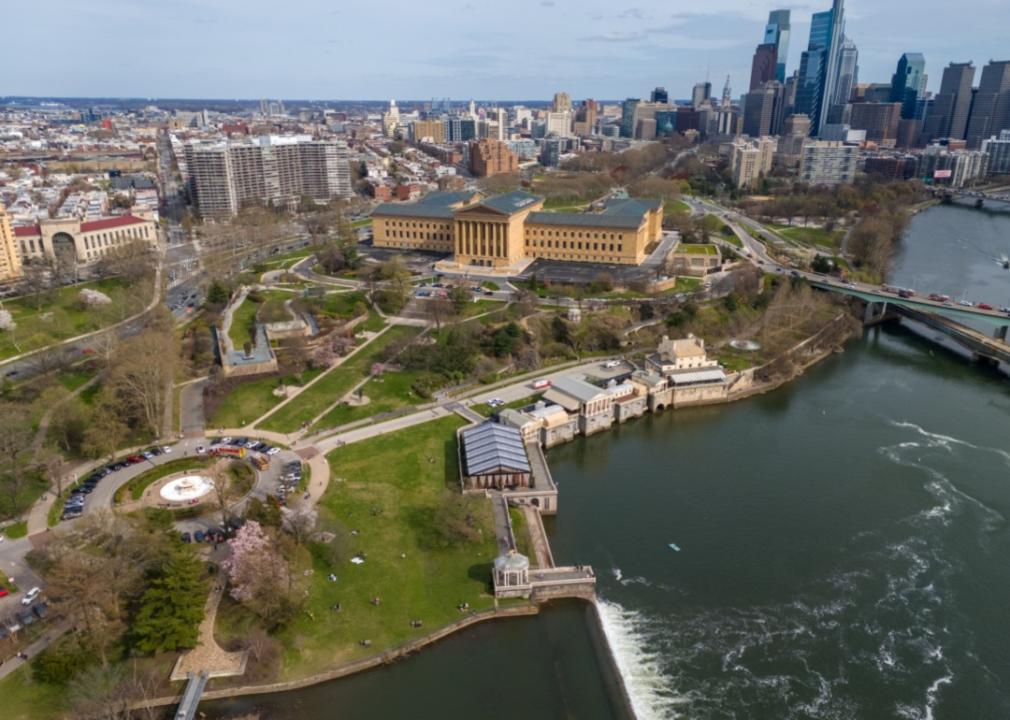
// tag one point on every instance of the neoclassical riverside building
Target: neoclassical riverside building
(88, 241)
(506, 230)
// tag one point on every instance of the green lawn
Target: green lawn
(243, 320)
(696, 249)
(76, 377)
(340, 304)
(25, 699)
(135, 488)
(16, 530)
(389, 491)
(334, 384)
(675, 206)
(30, 492)
(487, 411)
(479, 307)
(60, 316)
(811, 235)
(389, 392)
(253, 399)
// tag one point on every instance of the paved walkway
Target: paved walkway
(35, 648)
(209, 657)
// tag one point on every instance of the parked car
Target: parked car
(984, 306)
(4, 592)
(30, 596)
(200, 449)
(273, 450)
(135, 459)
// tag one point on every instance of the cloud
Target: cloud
(632, 13)
(615, 36)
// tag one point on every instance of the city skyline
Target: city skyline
(250, 50)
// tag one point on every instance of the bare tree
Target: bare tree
(15, 442)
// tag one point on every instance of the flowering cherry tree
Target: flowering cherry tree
(258, 573)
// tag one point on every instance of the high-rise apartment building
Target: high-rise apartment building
(879, 120)
(819, 66)
(795, 131)
(433, 130)
(908, 84)
(562, 102)
(559, 124)
(990, 110)
(460, 129)
(764, 66)
(272, 170)
(828, 162)
(492, 157)
(777, 34)
(750, 161)
(998, 150)
(10, 259)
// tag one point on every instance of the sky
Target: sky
(459, 49)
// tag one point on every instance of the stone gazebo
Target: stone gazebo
(512, 575)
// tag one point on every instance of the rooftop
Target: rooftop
(490, 447)
(618, 213)
(509, 203)
(574, 387)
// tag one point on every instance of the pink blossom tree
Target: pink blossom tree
(258, 573)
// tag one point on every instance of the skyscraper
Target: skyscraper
(701, 93)
(908, 84)
(819, 65)
(848, 72)
(949, 115)
(562, 102)
(629, 111)
(777, 34)
(727, 94)
(763, 109)
(659, 95)
(990, 111)
(764, 65)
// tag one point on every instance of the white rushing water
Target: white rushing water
(648, 688)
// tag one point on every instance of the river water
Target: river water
(843, 550)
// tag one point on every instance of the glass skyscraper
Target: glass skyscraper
(820, 65)
(908, 84)
(777, 34)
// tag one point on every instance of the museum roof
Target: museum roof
(508, 203)
(623, 214)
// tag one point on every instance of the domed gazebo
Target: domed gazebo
(511, 575)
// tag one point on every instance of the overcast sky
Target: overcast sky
(523, 49)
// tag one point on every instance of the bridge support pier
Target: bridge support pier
(875, 313)
(1000, 333)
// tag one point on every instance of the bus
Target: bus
(227, 450)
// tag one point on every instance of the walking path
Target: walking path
(208, 657)
(35, 648)
(340, 361)
(40, 434)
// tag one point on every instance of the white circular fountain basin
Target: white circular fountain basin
(184, 489)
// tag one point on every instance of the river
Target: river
(843, 550)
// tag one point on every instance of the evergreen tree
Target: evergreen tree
(171, 608)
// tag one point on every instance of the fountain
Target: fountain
(187, 489)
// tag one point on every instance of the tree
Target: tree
(172, 607)
(456, 518)
(460, 297)
(141, 375)
(299, 522)
(259, 574)
(132, 261)
(15, 442)
(105, 433)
